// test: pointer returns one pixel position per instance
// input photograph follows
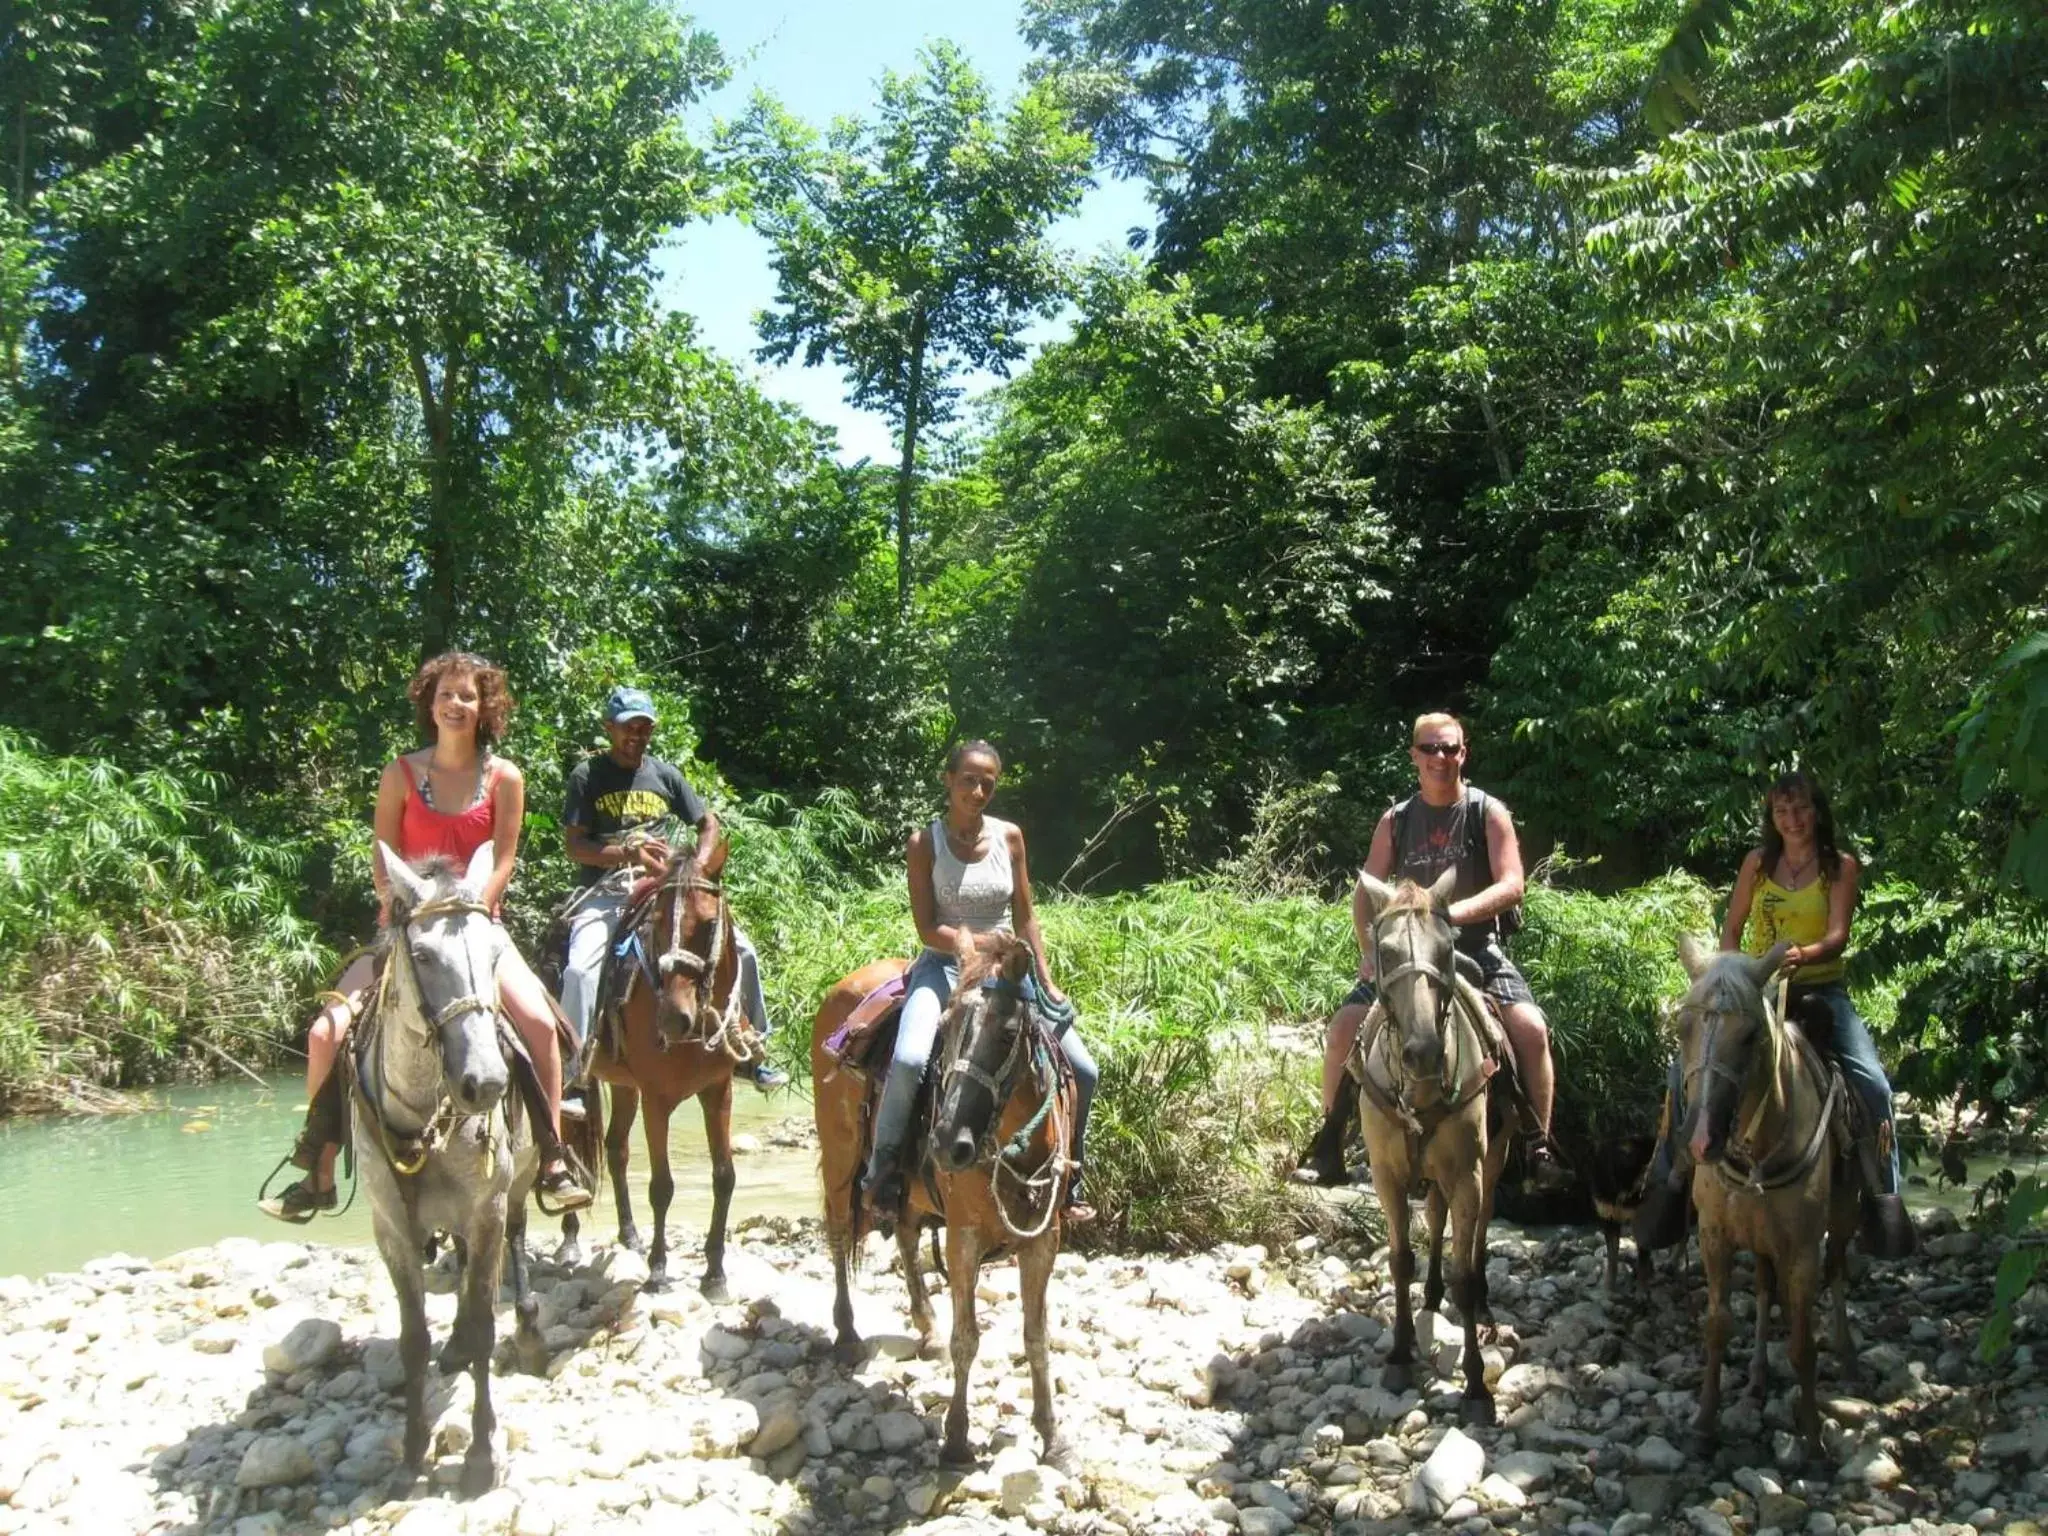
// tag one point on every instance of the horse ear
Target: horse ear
(711, 867)
(1440, 892)
(1692, 956)
(1377, 892)
(1763, 967)
(481, 863)
(408, 889)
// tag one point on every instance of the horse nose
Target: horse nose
(960, 1152)
(1703, 1145)
(1422, 1057)
(479, 1093)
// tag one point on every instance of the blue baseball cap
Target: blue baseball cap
(629, 704)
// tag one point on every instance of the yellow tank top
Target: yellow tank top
(1777, 915)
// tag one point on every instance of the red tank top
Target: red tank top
(424, 832)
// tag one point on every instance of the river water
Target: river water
(184, 1173)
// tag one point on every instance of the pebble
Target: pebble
(254, 1389)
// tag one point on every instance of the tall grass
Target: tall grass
(137, 928)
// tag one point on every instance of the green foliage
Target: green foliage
(2025, 1206)
(909, 249)
(137, 927)
(1604, 968)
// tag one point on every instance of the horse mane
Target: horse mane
(1409, 897)
(1006, 953)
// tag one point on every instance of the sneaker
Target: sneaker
(563, 1189)
(1542, 1168)
(765, 1076)
(298, 1203)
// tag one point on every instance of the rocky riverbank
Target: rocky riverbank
(250, 1388)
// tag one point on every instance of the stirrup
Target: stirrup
(561, 1186)
(1543, 1169)
(297, 1203)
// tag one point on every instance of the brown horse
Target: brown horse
(681, 1034)
(1772, 1173)
(996, 1172)
(1425, 1077)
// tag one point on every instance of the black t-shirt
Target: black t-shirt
(605, 799)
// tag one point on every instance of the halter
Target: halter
(1446, 1001)
(1739, 1150)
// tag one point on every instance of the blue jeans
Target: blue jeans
(1850, 1048)
(927, 990)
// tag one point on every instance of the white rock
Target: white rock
(725, 1347)
(1527, 1470)
(383, 1364)
(273, 1460)
(430, 1517)
(1453, 1469)
(1871, 1465)
(305, 1348)
(780, 1427)
(900, 1431)
(1656, 1454)
(1035, 1484)
(1497, 1492)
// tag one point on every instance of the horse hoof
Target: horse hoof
(1479, 1412)
(929, 1348)
(657, 1284)
(1061, 1457)
(454, 1361)
(714, 1290)
(632, 1241)
(477, 1477)
(849, 1351)
(956, 1455)
(1396, 1376)
(1702, 1443)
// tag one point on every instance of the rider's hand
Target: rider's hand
(1365, 966)
(654, 855)
(1052, 993)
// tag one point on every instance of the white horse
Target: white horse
(444, 1146)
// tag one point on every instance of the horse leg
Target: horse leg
(1760, 1357)
(1716, 1253)
(913, 1282)
(1468, 1275)
(1397, 1375)
(661, 1188)
(529, 1353)
(590, 1147)
(1835, 1276)
(617, 1149)
(963, 1267)
(1435, 1209)
(476, 1322)
(1034, 1278)
(1801, 1291)
(400, 1247)
(717, 1105)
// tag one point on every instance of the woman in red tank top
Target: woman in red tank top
(447, 799)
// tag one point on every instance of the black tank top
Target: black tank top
(1428, 839)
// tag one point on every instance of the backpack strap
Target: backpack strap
(1476, 804)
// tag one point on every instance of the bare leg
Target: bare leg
(1337, 1046)
(1529, 1034)
(1034, 1274)
(527, 1006)
(717, 1105)
(963, 1267)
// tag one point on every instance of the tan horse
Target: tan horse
(997, 1173)
(682, 1035)
(1425, 1074)
(1772, 1173)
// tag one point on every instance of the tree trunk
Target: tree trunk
(438, 544)
(906, 474)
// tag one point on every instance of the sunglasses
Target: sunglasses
(1439, 748)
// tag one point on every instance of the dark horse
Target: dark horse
(1426, 1097)
(448, 1150)
(681, 1034)
(997, 1172)
(1772, 1172)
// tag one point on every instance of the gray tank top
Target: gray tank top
(973, 896)
(1428, 839)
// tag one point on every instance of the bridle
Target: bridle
(1739, 1148)
(1446, 1003)
(715, 1028)
(1027, 1044)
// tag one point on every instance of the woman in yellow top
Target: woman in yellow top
(1799, 887)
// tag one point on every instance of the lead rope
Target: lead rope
(1051, 1172)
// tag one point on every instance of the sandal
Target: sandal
(562, 1187)
(1078, 1213)
(298, 1203)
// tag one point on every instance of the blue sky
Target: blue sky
(823, 59)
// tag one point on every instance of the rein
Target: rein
(1392, 1098)
(1760, 1177)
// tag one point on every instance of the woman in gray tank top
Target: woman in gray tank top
(968, 877)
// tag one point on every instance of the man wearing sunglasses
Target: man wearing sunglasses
(1448, 822)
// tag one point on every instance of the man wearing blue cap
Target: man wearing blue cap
(609, 795)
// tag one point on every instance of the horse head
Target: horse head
(1725, 1029)
(688, 918)
(1415, 961)
(447, 941)
(987, 1030)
